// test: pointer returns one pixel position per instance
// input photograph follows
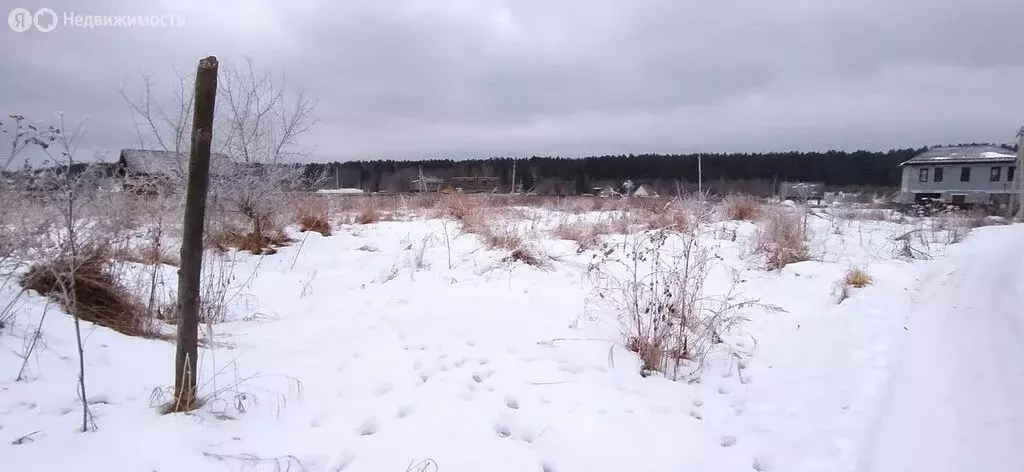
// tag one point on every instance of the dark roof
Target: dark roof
(154, 162)
(962, 154)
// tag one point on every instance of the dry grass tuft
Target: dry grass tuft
(87, 289)
(316, 224)
(260, 244)
(857, 278)
(742, 208)
(312, 214)
(145, 256)
(652, 356)
(526, 256)
(780, 237)
(586, 235)
(666, 220)
(368, 216)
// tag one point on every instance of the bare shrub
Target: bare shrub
(741, 207)
(494, 228)
(780, 238)
(86, 288)
(659, 296)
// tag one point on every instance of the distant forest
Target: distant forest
(756, 173)
(666, 174)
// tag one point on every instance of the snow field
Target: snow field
(369, 351)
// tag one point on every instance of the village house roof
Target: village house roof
(962, 154)
(166, 163)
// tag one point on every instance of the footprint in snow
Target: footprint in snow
(698, 402)
(341, 462)
(405, 410)
(728, 441)
(383, 389)
(571, 368)
(547, 466)
(723, 390)
(369, 427)
(696, 415)
(661, 409)
(760, 464)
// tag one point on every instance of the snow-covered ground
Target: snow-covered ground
(406, 345)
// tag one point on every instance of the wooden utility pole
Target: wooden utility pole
(192, 237)
(700, 177)
(1017, 192)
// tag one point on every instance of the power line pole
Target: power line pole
(1017, 180)
(700, 177)
(192, 238)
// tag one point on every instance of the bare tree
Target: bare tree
(263, 125)
(162, 123)
(68, 198)
(259, 125)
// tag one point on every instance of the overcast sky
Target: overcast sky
(460, 78)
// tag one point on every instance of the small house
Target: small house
(644, 191)
(150, 171)
(959, 175)
(474, 184)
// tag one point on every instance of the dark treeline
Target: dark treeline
(664, 172)
(748, 172)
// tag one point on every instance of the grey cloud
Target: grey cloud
(410, 79)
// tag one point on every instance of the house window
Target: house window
(938, 174)
(1009, 173)
(996, 174)
(923, 177)
(965, 174)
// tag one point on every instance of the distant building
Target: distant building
(605, 192)
(474, 184)
(341, 191)
(644, 191)
(149, 171)
(427, 185)
(960, 175)
(802, 191)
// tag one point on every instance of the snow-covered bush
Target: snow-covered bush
(656, 286)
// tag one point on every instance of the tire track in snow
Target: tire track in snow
(956, 399)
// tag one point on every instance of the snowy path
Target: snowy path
(956, 398)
